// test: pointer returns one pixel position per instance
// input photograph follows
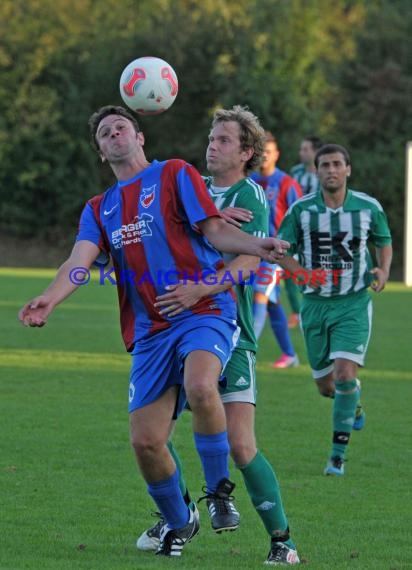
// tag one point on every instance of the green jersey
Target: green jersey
(244, 194)
(308, 181)
(335, 241)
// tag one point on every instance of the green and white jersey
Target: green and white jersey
(244, 194)
(308, 181)
(336, 240)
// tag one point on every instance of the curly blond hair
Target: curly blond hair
(252, 134)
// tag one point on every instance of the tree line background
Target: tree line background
(340, 69)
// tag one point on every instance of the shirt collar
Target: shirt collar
(346, 203)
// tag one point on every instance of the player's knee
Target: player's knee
(345, 370)
(327, 391)
(145, 446)
(201, 395)
(242, 452)
(345, 375)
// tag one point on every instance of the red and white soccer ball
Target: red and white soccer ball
(148, 85)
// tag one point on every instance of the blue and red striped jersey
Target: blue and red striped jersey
(148, 226)
(281, 192)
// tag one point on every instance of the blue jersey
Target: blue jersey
(281, 192)
(148, 226)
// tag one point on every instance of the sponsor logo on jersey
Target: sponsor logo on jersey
(132, 233)
(334, 248)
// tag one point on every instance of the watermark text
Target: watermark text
(263, 276)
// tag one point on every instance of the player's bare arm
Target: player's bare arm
(184, 295)
(35, 312)
(381, 272)
(290, 264)
(225, 237)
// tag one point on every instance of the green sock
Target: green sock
(263, 489)
(359, 408)
(179, 466)
(344, 410)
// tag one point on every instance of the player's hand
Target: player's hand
(380, 279)
(236, 216)
(180, 296)
(35, 312)
(273, 250)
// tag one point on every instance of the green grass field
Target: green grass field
(70, 494)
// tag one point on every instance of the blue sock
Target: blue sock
(279, 324)
(213, 450)
(259, 318)
(169, 500)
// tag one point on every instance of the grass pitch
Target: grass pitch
(71, 497)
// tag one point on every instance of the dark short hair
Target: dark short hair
(270, 137)
(316, 142)
(331, 148)
(103, 112)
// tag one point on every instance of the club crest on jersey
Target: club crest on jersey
(147, 196)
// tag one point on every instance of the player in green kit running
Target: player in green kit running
(305, 172)
(329, 230)
(236, 144)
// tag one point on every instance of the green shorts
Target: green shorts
(240, 373)
(336, 328)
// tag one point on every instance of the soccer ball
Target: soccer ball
(148, 85)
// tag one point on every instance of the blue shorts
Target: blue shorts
(158, 361)
(265, 281)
